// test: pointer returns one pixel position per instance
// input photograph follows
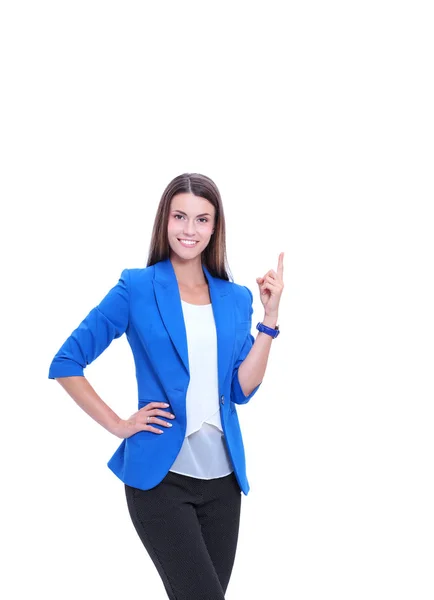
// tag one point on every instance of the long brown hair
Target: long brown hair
(214, 255)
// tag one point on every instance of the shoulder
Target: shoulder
(243, 300)
(138, 276)
(241, 293)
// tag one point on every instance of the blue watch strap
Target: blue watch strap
(268, 330)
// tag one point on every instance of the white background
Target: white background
(315, 119)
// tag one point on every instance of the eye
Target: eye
(203, 220)
(178, 216)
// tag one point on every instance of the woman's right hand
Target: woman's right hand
(144, 420)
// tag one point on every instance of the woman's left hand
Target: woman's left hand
(271, 288)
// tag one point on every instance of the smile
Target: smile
(188, 243)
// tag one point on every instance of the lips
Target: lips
(188, 243)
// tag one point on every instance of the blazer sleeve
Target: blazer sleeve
(237, 394)
(106, 322)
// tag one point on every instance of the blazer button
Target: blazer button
(222, 399)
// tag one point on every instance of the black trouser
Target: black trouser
(190, 528)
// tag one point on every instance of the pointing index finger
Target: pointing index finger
(280, 265)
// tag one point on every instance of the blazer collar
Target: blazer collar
(169, 304)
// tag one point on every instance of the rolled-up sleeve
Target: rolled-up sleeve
(106, 322)
(237, 394)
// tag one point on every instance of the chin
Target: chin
(185, 253)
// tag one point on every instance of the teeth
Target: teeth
(189, 242)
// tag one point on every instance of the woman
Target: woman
(182, 458)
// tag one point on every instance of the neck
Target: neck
(189, 273)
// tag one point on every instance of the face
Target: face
(190, 225)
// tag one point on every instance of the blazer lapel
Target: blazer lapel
(169, 305)
(224, 317)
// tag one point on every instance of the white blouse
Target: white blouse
(203, 453)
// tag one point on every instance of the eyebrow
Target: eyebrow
(183, 213)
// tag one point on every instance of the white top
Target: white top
(203, 453)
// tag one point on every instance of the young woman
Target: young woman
(189, 327)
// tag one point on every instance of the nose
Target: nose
(189, 227)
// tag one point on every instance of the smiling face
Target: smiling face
(190, 225)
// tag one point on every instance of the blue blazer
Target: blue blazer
(146, 305)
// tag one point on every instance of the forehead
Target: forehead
(191, 204)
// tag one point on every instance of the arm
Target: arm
(86, 397)
(252, 368)
(95, 333)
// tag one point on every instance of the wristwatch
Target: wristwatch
(268, 330)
